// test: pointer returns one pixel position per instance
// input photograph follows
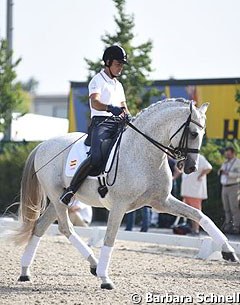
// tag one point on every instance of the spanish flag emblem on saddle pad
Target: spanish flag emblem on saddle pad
(73, 163)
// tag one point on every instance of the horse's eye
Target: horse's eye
(194, 134)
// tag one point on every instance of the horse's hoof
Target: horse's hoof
(93, 270)
(108, 286)
(24, 278)
(230, 256)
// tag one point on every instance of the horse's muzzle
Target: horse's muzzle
(190, 170)
(190, 165)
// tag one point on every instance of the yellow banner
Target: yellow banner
(223, 121)
(71, 113)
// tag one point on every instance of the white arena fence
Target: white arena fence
(205, 246)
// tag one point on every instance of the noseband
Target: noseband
(180, 152)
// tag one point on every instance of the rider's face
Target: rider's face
(116, 67)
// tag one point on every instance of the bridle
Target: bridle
(180, 152)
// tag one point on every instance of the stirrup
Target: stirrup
(66, 197)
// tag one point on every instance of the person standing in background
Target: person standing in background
(146, 215)
(230, 181)
(194, 188)
(80, 214)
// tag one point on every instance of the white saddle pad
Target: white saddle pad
(78, 154)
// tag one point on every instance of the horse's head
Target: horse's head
(189, 139)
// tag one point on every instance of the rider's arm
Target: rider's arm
(97, 105)
(95, 102)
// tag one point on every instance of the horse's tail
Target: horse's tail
(32, 201)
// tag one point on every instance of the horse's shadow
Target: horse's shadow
(34, 287)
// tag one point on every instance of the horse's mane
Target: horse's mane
(165, 102)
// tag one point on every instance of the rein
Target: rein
(180, 152)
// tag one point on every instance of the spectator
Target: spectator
(194, 188)
(164, 220)
(80, 214)
(145, 211)
(230, 179)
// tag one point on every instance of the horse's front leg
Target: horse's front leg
(179, 208)
(114, 220)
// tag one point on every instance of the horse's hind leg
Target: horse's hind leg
(114, 220)
(66, 228)
(41, 226)
(177, 207)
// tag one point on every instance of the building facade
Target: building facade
(50, 105)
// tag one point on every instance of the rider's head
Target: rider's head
(114, 58)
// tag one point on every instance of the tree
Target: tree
(30, 85)
(11, 95)
(134, 76)
(28, 90)
(237, 99)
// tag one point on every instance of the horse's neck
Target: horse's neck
(155, 123)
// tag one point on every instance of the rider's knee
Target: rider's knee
(95, 161)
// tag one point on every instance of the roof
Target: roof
(181, 82)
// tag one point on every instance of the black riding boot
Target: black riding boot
(78, 178)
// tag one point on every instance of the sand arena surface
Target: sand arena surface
(61, 276)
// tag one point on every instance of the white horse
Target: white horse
(143, 178)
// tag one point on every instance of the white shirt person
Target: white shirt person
(107, 101)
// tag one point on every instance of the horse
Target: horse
(175, 126)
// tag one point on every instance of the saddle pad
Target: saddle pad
(78, 154)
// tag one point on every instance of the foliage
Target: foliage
(237, 99)
(134, 76)
(25, 105)
(213, 153)
(28, 89)
(30, 85)
(12, 160)
(11, 95)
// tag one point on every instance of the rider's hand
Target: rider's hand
(128, 117)
(114, 110)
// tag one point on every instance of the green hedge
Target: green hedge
(12, 160)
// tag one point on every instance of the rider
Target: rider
(107, 98)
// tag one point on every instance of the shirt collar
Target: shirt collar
(231, 160)
(107, 78)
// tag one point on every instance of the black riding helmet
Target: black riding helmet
(114, 52)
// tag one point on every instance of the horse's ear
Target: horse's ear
(204, 108)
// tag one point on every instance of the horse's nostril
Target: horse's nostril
(189, 170)
(192, 169)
